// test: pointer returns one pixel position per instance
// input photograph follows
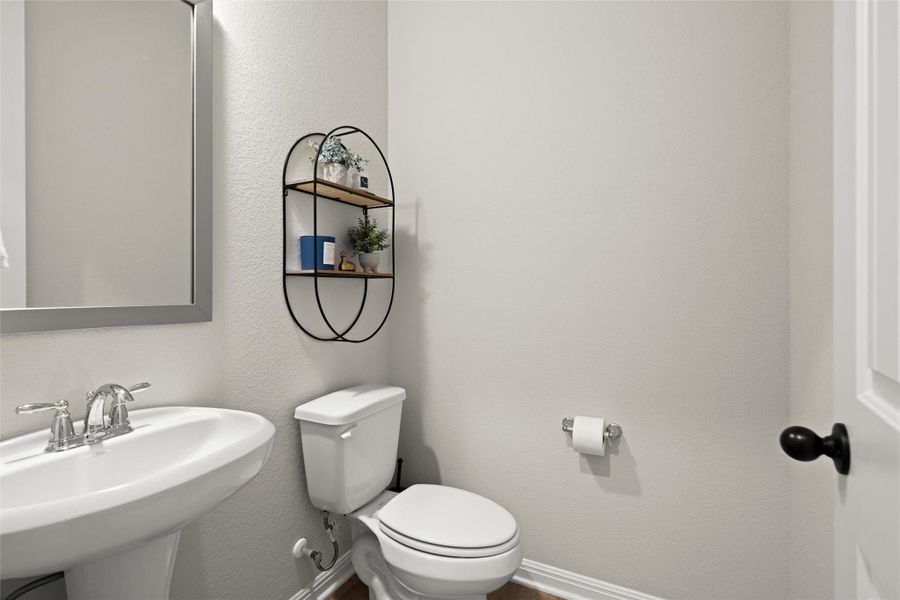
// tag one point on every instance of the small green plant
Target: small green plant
(366, 237)
(334, 151)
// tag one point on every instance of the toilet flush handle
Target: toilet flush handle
(348, 433)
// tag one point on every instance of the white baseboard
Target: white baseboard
(572, 586)
(531, 574)
(328, 582)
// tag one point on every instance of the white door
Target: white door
(867, 297)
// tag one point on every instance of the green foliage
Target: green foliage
(334, 151)
(366, 237)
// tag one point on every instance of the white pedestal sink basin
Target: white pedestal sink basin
(110, 514)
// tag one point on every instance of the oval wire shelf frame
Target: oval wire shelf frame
(339, 336)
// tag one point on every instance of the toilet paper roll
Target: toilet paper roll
(588, 435)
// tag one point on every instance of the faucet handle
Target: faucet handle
(138, 387)
(62, 432)
(118, 414)
(27, 409)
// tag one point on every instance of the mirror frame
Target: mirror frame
(20, 320)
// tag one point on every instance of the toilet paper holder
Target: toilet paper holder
(613, 430)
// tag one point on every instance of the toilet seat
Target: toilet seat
(446, 521)
(449, 551)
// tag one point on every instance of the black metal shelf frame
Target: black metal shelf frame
(339, 336)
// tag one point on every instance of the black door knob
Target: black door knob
(803, 444)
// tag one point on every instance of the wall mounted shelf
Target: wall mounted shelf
(316, 189)
(340, 193)
(337, 274)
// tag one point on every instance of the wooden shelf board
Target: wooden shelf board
(338, 274)
(341, 193)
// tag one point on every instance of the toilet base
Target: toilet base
(372, 569)
(372, 597)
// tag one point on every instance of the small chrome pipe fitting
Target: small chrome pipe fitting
(301, 547)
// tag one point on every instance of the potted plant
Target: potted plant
(336, 160)
(367, 242)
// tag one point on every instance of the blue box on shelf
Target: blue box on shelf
(325, 252)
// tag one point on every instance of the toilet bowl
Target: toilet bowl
(427, 542)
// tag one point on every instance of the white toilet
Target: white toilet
(427, 542)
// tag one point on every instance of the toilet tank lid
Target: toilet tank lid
(350, 405)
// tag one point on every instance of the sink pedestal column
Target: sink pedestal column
(141, 573)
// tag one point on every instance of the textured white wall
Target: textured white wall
(598, 225)
(811, 290)
(273, 82)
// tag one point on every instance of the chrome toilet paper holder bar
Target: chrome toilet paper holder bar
(613, 430)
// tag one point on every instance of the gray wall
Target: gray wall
(271, 85)
(601, 228)
(811, 291)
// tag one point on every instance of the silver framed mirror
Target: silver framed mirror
(197, 259)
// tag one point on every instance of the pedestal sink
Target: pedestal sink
(110, 514)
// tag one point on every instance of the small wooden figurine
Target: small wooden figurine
(346, 265)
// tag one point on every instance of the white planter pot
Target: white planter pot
(335, 173)
(369, 261)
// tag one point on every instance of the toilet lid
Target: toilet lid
(448, 521)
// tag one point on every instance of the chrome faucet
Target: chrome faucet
(96, 429)
(95, 425)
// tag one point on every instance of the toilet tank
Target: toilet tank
(349, 443)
